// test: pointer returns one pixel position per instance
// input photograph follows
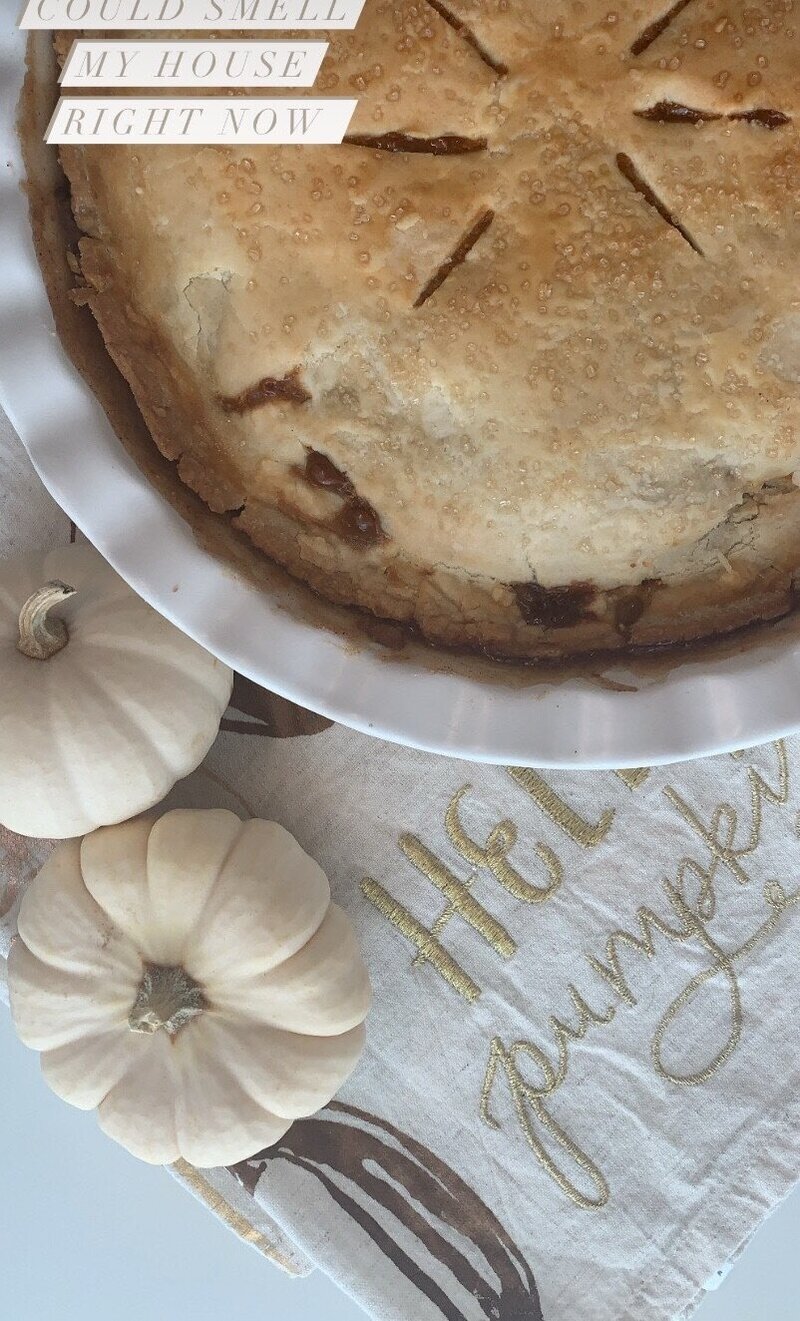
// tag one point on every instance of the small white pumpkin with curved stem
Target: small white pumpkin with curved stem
(191, 980)
(104, 705)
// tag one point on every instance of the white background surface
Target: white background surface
(89, 1234)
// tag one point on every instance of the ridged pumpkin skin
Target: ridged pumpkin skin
(247, 916)
(103, 729)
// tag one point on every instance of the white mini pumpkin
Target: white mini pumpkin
(190, 979)
(104, 705)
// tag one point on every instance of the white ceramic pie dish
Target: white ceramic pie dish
(688, 707)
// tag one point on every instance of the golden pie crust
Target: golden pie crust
(519, 362)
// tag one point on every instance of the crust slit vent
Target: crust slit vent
(357, 521)
(466, 33)
(457, 257)
(672, 112)
(269, 390)
(629, 170)
(446, 144)
(653, 30)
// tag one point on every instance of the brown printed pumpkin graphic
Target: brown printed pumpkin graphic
(369, 1167)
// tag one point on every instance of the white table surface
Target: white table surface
(89, 1234)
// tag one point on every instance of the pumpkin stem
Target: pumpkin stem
(167, 997)
(40, 636)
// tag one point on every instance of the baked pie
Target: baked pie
(519, 362)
